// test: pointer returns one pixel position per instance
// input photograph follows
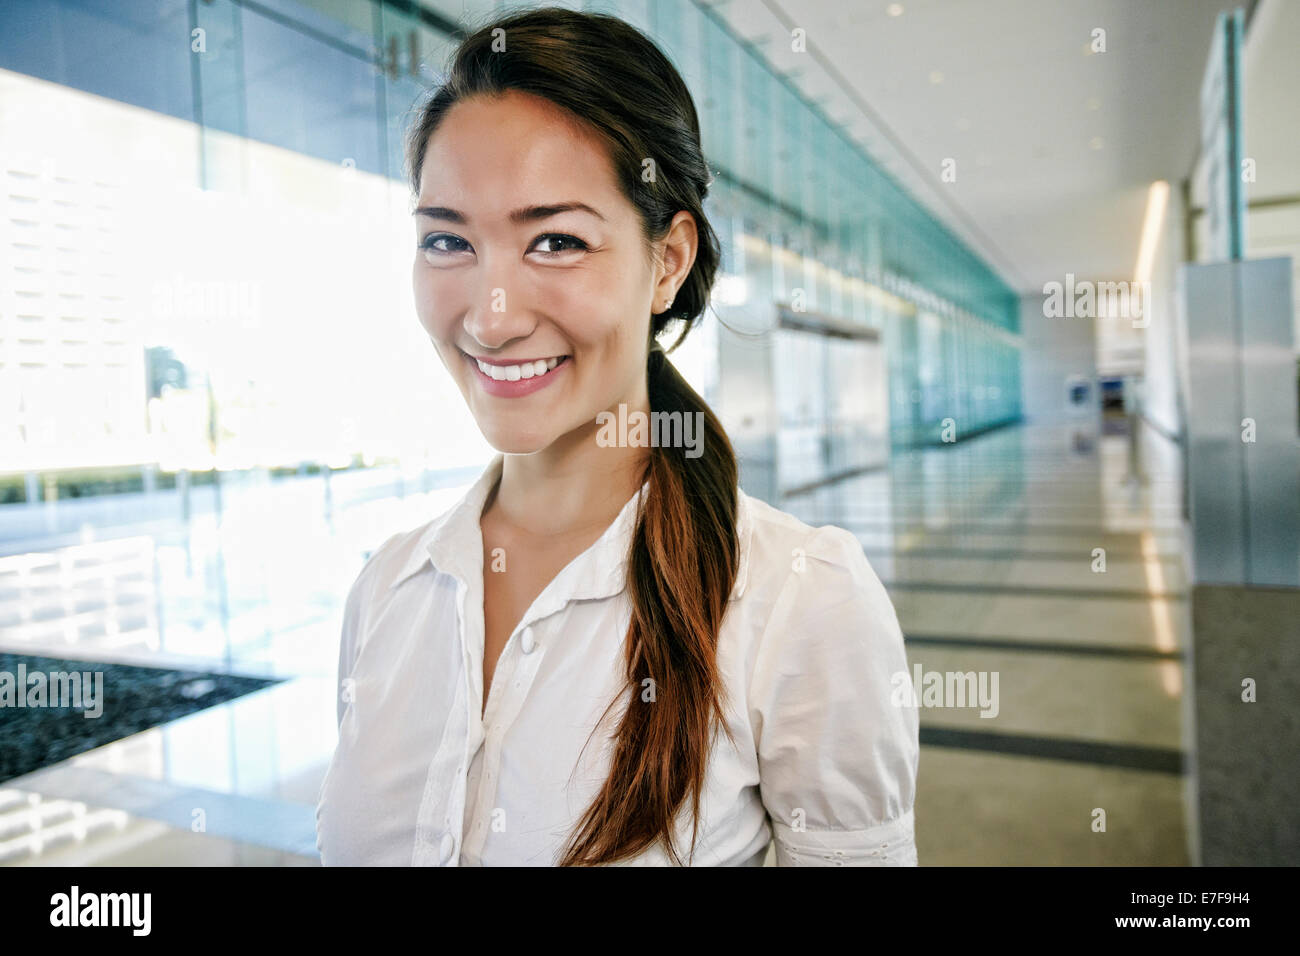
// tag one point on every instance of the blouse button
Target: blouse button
(528, 644)
(447, 848)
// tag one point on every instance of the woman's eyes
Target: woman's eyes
(561, 237)
(457, 244)
(430, 242)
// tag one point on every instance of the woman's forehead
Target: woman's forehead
(514, 124)
(490, 157)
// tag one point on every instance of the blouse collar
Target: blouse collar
(453, 542)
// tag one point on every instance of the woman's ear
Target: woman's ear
(677, 256)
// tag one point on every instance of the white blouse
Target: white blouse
(811, 656)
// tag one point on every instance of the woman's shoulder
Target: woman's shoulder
(398, 556)
(794, 569)
(780, 543)
(404, 552)
(394, 559)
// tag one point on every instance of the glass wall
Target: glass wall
(818, 226)
(182, 175)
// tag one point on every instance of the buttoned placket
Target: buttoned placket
(517, 668)
(466, 816)
(441, 811)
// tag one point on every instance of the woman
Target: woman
(605, 652)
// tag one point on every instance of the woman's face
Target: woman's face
(530, 264)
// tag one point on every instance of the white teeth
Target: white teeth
(513, 373)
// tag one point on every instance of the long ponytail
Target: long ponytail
(681, 571)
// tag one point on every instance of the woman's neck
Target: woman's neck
(568, 488)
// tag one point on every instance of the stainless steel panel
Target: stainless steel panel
(1215, 470)
(1272, 461)
(1244, 495)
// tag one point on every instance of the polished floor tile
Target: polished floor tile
(1130, 622)
(981, 809)
(1078, 698)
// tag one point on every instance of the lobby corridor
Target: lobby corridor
(991, 550)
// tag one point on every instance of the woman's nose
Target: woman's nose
(496, 315)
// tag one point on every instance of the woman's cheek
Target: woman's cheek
(432, 309)
(420, 284)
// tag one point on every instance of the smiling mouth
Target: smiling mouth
(522, 370)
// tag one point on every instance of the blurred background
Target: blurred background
(1008, 291)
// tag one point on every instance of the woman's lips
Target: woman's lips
(505, 388)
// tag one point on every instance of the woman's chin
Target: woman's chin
(510, 442)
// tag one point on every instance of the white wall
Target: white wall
(1054, 350)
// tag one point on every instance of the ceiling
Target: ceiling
(1055, 145)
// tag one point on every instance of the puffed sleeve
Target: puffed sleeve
(837, 737)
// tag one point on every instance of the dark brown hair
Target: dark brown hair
(684, 554)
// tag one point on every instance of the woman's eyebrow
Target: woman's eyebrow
(526, 214)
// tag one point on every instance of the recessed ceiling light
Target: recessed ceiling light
(936, 77)
(894, 9)
(1096, 142)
